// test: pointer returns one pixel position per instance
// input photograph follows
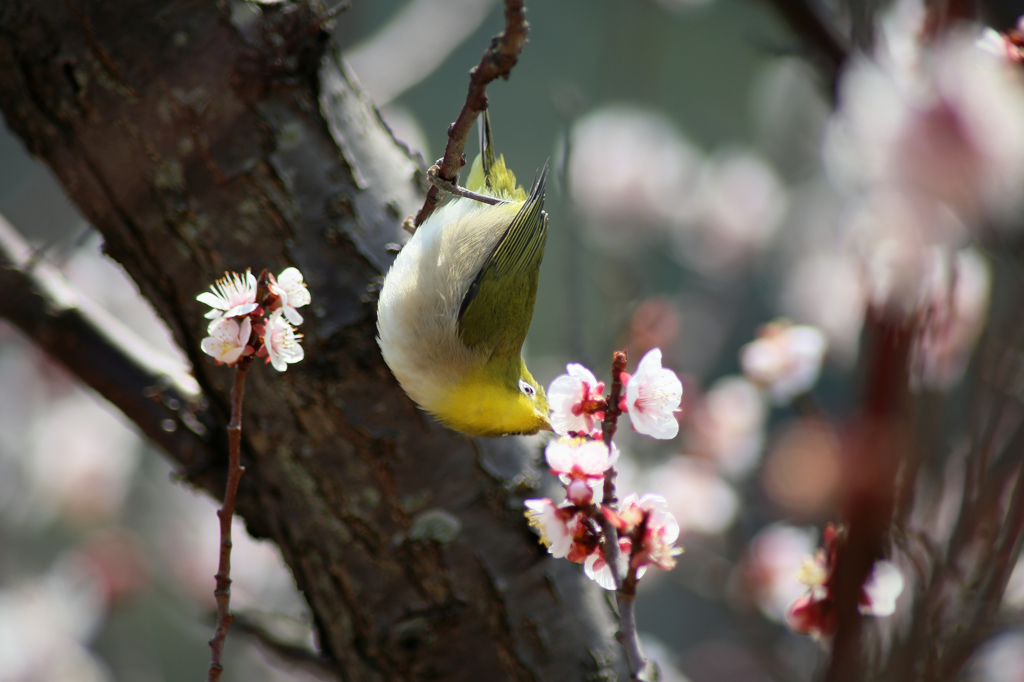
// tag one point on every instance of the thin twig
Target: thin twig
(980, 622)
(496, 62)
(624, 573)
(333, 12)
(628, 637)
(452, 188)
(612, 412)
(625, 598)
(225, 514)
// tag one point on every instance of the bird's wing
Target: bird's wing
(495, 313)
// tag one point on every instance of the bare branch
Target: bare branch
(226, 513)
(497, 62)
(153, 390)
(877, 443)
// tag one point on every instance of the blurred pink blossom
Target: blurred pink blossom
(944, 128)
(47, 623)
(1001, 659)
(727, 426)
(785, 359)
(699, 500)
(738, 208)
(83, 459)
(655, 324)
(827, 291)
(772, 564)
(954, 307)
(630, 166)
(188, 544)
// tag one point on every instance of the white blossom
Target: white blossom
(231, 296)
(882, 589)
(581, 465)
(292, 292)
(598, 570)
(571, 397)
(660, 532)
(580, 458)
(653, 395)
(550, 523)
(282, 342)
(728, 425)
(227, 340)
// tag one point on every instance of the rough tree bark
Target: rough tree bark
(200, 137)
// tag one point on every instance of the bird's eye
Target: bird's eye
(526, 388)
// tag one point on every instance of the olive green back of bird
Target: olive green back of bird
(457, 305)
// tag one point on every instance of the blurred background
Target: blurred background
(702, 188)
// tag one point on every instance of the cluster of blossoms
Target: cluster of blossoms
(239, 325)
(583, 462)
(815, 612)
(652, 398)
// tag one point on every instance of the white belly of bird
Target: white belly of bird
(417, 313)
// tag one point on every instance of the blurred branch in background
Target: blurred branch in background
(862, 16)
(154, 390)
(877, 443)
(811, 22)
(413, 44)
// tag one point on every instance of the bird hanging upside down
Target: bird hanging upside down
(457, 303)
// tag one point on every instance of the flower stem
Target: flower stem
(628, 637)
(610, 424)
(497, 62)
(225, 514)
(612, 413)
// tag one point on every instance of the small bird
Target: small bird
(456, 305)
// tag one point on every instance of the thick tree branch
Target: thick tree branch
(877, 441)
(196, 145)
(153, 390)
